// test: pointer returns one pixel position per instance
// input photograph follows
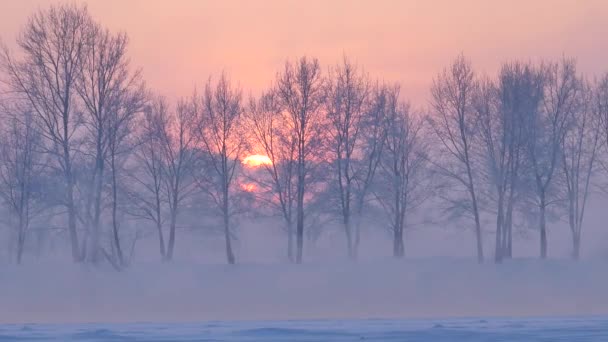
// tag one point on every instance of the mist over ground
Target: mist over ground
(327, 195)
(444, 281)
(439, 287)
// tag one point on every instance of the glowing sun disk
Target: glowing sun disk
(255, 160)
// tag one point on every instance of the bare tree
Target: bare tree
(266, 122)
(502, 110)
(579, 154)
(496, 131)
(300, 90)
(111, 94)
(178, 138)
(454, 122)
(223, 142)
(348, 92)
(600, 107)
(21, 165)
(53, 45)
(147, 176)
(373, 133)
(163, 180)
(119, 149)
(546, 131)
(402, 167)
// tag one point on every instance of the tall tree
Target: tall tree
(601, 113)
(454, 123)
(300, 90)
(178, 138)
(53, 45)
(111, 94)
(546, 131)
(579, 154)
(121, 141)
(402, 168)
(21, 168)
(373, 133)
(266, 122)
(223, 143)
(348, 92)
(147, 177)
(502, 110)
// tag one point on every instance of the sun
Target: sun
(249, 187)
(256, 160)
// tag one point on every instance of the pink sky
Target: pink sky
(180, 43)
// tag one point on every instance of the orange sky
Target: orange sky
(180, 43)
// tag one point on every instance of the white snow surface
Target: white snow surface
(471, 329)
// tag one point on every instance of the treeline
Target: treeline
(90, 154)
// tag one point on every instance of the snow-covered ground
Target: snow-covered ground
(579, 329)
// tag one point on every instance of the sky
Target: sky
(180, 43)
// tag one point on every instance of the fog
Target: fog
(329, 192)
(428, 288)
(438, 279)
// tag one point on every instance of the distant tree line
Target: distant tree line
(89, 153)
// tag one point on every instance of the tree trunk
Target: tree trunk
(20, 241)
(23, 201)
(349, 238)
(509, 239)
(300, 230)
(161, 240)
(290, 255)
(226, 212)
(159, 228)
(114, 219)
(475, 209)
(576, 245)
(543, 229)
(300, 209)
(508, 226)
(499, 248)
(574, 227)
(398, 246)
(229, 254)
(98, 178)
(504, 240)
(76, 253)
(174, 208)
(357, 236)
(478, 233)
(171, 244)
